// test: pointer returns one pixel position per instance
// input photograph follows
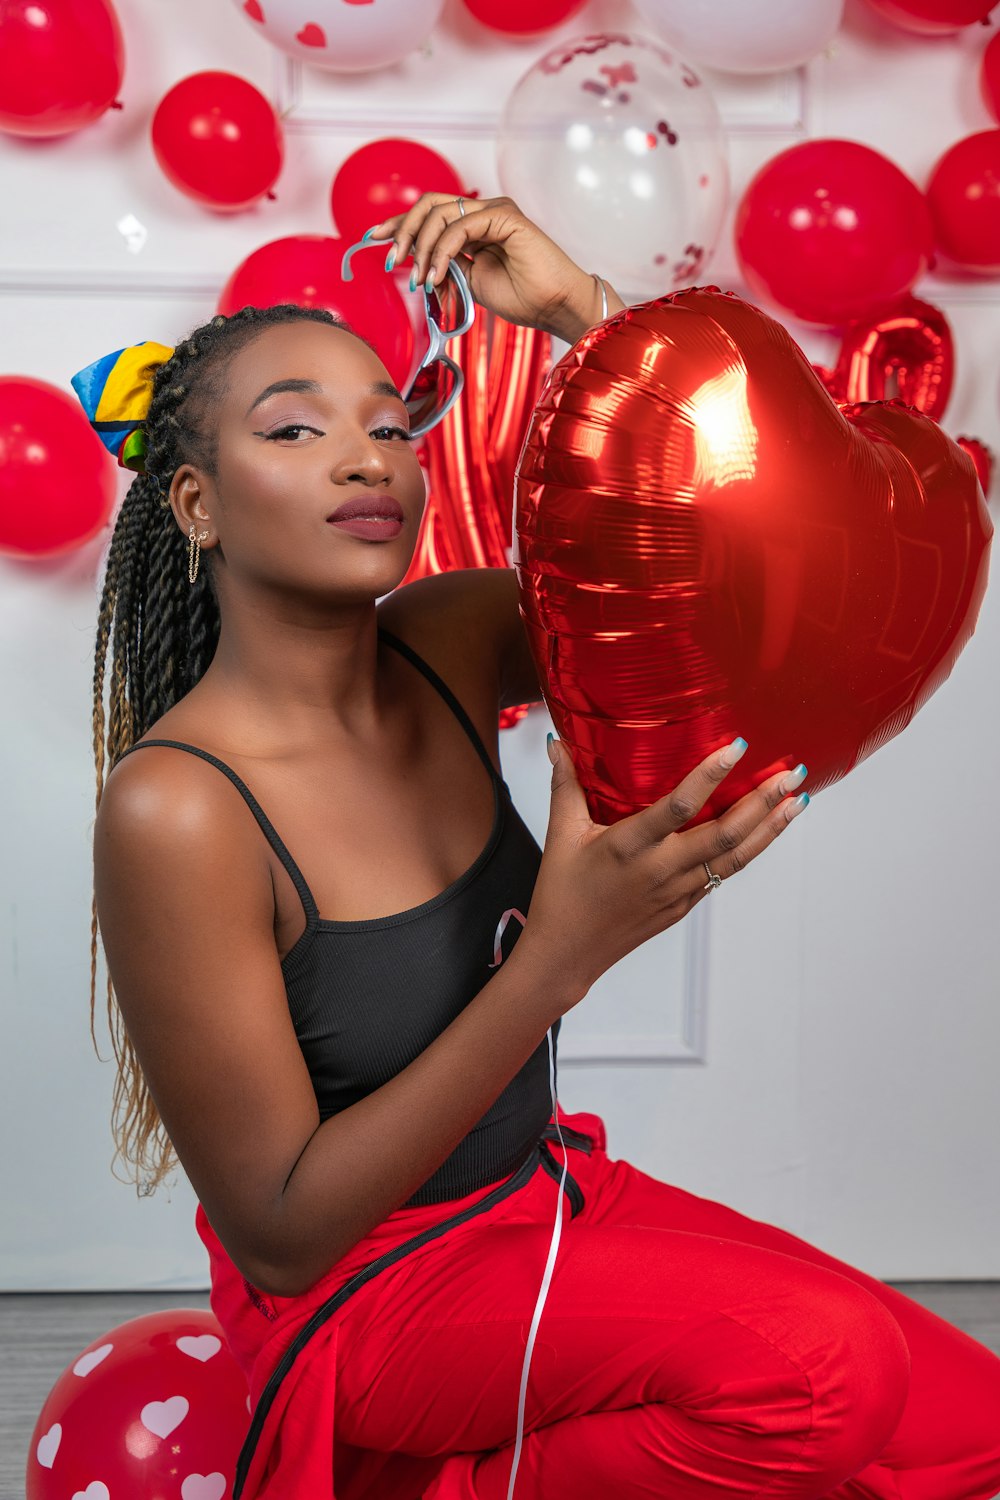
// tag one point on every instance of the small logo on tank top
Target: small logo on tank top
(502, 925)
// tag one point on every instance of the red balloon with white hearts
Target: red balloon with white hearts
(153, 1407)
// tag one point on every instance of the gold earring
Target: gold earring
(194, 552)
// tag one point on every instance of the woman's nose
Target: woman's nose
(364, 459)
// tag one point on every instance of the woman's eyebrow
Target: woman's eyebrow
(384, 388)
(311, 387)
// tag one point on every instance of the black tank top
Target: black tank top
(368, 997)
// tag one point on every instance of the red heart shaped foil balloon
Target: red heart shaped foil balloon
(708, 546)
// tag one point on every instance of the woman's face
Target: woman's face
(287, 458)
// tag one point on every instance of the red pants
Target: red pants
(684, 1350)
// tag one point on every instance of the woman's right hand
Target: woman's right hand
(602, 891)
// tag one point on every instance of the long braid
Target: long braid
(162, 634)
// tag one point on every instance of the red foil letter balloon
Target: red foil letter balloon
(707, 545)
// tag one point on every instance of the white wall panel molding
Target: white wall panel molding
(686, 1042)
(958, 293)
(455, 90)
(184, 284)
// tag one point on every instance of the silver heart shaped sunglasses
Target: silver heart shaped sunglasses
(449, 310)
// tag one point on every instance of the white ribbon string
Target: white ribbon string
(511, 911)
(546, 1279)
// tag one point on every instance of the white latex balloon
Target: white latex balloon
(744, 36)
(613, 145)
(344, 38)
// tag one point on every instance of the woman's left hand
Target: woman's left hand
(512, 268)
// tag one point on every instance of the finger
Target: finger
(569, 816)
(446, 233)
(403, 228)
(671, 812)
(767, 805)
(406, 228)
(720, 837)
(760, 838)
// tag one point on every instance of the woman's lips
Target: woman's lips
(381, 530)
(366, 506)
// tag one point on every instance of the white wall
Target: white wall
(828, 1033)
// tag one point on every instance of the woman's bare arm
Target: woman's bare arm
(186, 908)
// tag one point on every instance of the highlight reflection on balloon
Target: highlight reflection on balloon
(707, 546)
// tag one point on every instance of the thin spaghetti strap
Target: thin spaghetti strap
(267, 827)
(446, 694)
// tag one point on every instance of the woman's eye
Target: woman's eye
(281, 432)
(399, 431)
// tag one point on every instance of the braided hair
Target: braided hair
(162, 632)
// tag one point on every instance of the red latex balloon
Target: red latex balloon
(384, 178)
(933, 17)
(832, 230)
(707, 546)
(523, 17)
(61, 64)
(157, 1406)
(990, 77)
(964, 198)
(305, 268)
(57, 481)
(218, 139)
(471, 456)
(910, 343)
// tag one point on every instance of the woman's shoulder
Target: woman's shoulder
(171, 787)
(466, 624)
(435, 616)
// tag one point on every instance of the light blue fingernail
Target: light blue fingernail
(732, 753)
(390, 259)
(795, 778)
(368, 235)
(413, 279)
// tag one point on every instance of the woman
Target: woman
(363, 1099)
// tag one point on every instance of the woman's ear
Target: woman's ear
(187, 499)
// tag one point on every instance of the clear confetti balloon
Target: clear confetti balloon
(613, 145)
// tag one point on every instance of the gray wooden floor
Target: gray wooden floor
(40, 1333)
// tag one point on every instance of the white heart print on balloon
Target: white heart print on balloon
(346, 36)
(91, 1359)
(202, 1347)
(203, 1487)
(162, 1417)
(48, 1446)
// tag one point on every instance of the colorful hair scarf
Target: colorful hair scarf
(115, 392)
